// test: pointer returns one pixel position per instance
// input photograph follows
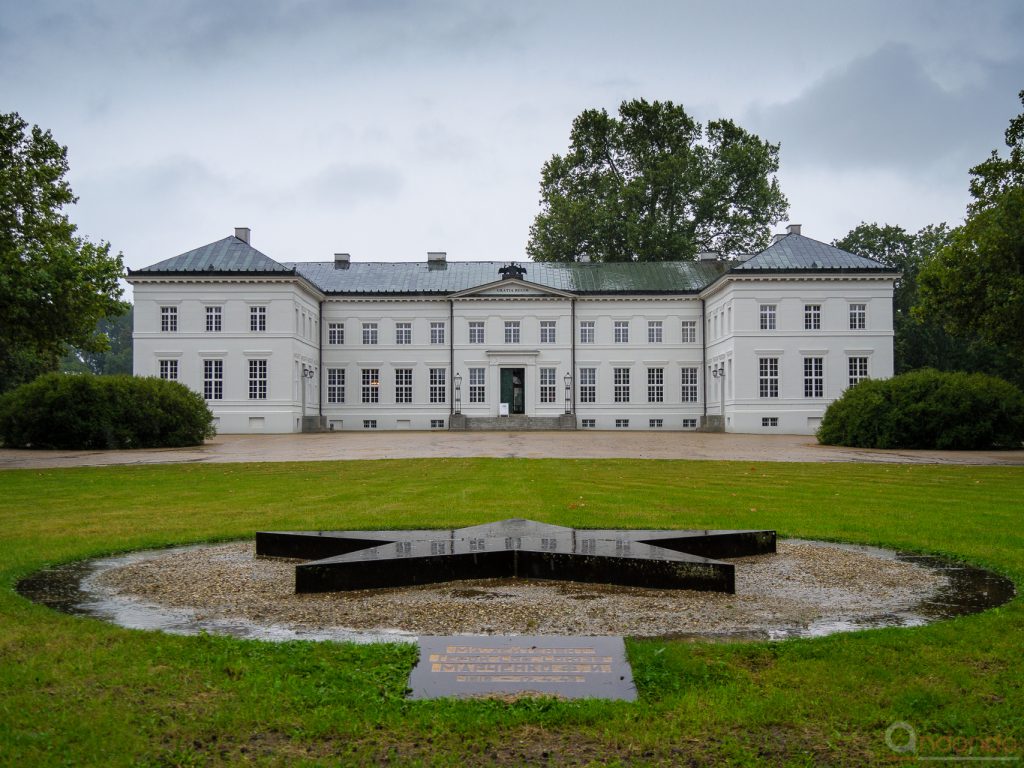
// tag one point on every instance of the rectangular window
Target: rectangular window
(655, 385)
(812, 317)
(213, 379)
(654, 332)
(369, 333)
(768, 377)
(588, 423)
(622, 331)
(689, 394)
(767, 317)
(369, 423)
(814, 377)
(476, 332)
(403, 385)
(689, 423)
(858, 369)
(586, 332)
(621, 385)
(622, 423)
(335, 333)
(438, 393)
(169, 370)
(169, 319)
(511, 331)
(437, 333)
(257, 319)
(437, 423)
(335, 385)
(655, 423)
(403, 333)
(689, 331)
(769, 421)
(547, 331)
(257, 379)
(548, 388)
(477, 385)
(213, 319)
(588, 385)
(371, 385)
(858, 317)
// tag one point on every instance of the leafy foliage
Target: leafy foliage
(927, 409)
(655, 185)
(975, 284)
(103, 412)
(922, 341)
(116, 359)
(54, 285)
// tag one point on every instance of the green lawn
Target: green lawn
(77, 692)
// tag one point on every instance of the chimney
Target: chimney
(776, 238)
(584, 258)
(242, 233)
(793, 229)
(437, 257)
(342, 260)
(707, 256)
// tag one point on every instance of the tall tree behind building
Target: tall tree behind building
(656, 185)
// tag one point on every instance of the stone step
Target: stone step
(518, 423)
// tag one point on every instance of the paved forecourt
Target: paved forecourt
(558, 445)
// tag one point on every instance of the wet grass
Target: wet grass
(75, 691)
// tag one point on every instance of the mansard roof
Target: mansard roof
(791, 253)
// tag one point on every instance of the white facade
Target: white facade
(782, 345)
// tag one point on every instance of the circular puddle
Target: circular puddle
(808, 589)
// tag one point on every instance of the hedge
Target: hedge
(82, 411)
(927, 409)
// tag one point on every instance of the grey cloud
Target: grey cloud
(350, 183)
(885, 111)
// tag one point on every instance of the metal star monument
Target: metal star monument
(348, 560)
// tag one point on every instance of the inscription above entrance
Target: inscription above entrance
(567, 667)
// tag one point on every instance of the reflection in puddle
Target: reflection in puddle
(73, 589)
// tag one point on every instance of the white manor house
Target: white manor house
(761, 344)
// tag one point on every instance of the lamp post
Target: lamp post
(458, 393)
(718, 371)
(307, 373)
(568, 393)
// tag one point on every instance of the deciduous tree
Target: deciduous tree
(654, 184)
(54, 284)
(975, 284)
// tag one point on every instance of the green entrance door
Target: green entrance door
(513, 389)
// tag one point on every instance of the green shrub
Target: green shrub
(82, 411)
(927, 409)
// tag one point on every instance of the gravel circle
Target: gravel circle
(804, 585)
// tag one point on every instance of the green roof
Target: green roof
(789, 253)
(370, 278)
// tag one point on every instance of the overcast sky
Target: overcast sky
(387, 129)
